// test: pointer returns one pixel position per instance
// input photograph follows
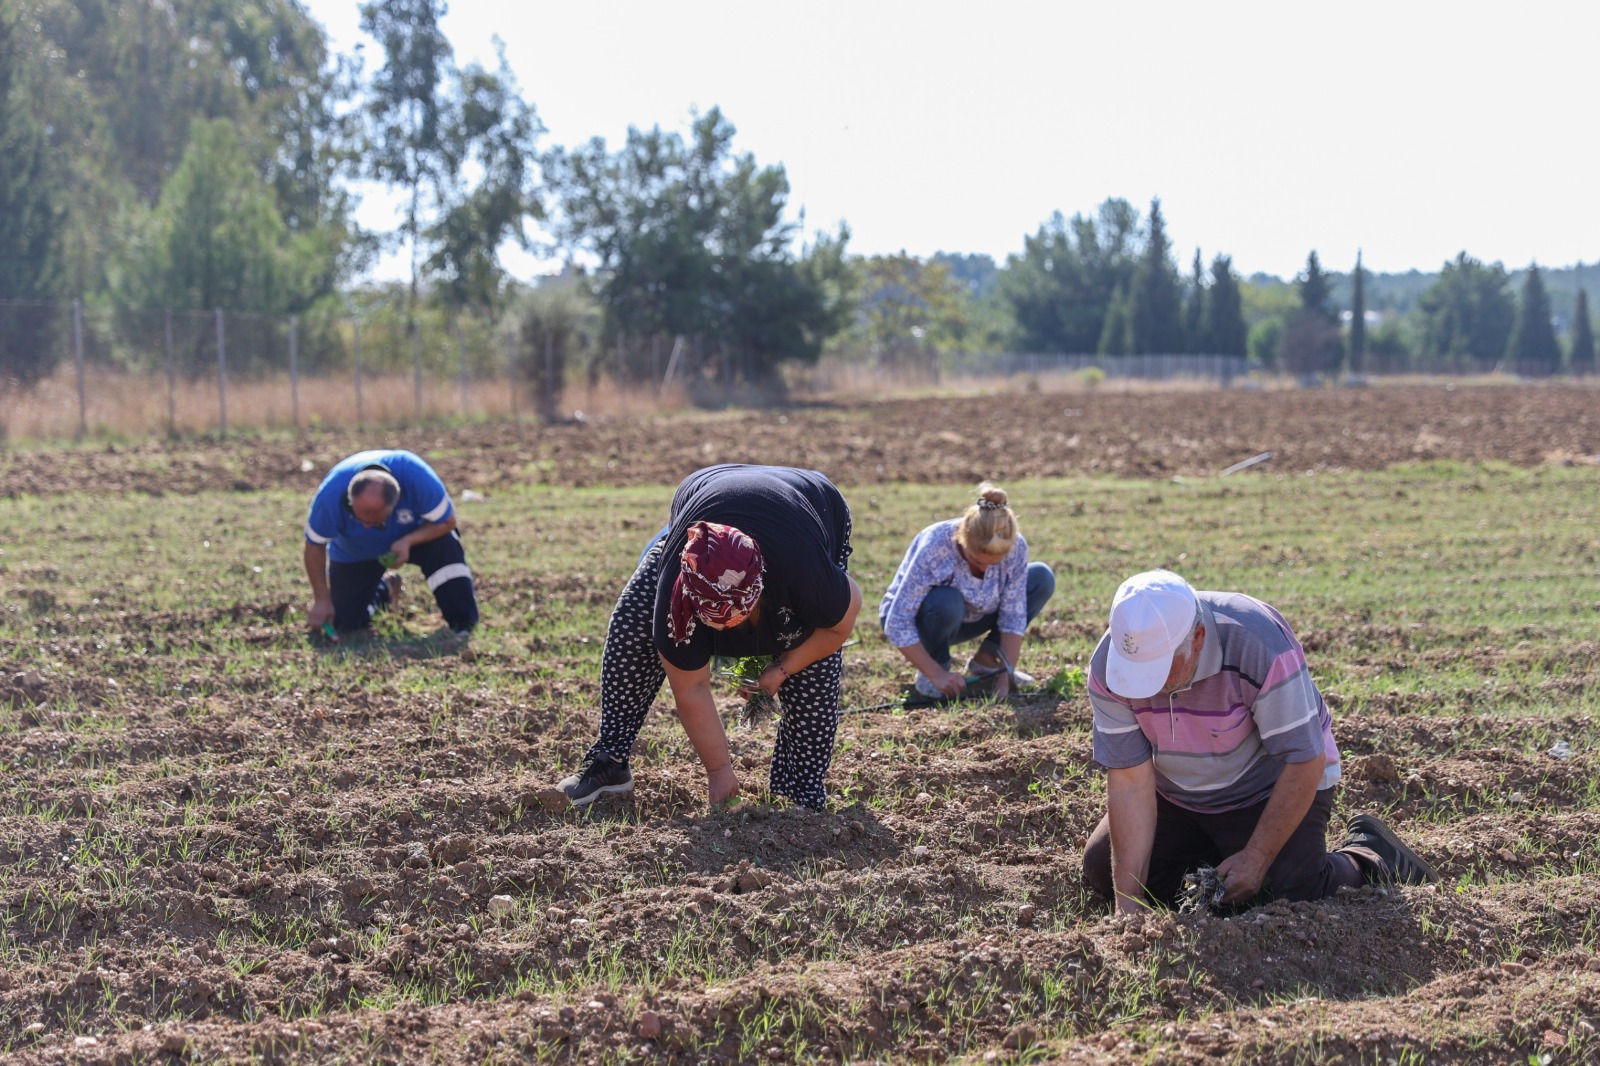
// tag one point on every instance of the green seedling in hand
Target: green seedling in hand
(762, 705)
(389, 560)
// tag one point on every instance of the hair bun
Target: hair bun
(991, 496)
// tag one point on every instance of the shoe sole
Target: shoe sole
(1377, 828)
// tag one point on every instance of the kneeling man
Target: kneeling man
(1219, 752)
(374, 513)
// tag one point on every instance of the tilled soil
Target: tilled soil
(1006, 437)
(216, 866)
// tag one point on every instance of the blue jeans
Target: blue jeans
(939, 623)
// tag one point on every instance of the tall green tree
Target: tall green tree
(1059, 290)
(1581, 358)
(1116, 331)
(1465, 316)
(1309, 344)
(905, 306)
(31, 223)
(1358, 319)
(1533, 349)
(692, 238)
(1194, 308)
(1225, 332)
(492, 136)
(1154, 307)
(215, 241)
(406, 111)
(124, 80)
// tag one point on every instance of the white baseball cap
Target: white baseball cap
(1152, 615)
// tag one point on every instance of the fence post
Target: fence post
(461, 346)
(294, 371)
(655, 360)
(222, 379)
(77, 356)
(416, 365)
(511, 375)
(549, 375)
(359, 419)
(620, 363)
(172, 376)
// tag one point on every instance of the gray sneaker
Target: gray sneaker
(600, 776)
(1401, 865)
(926, 688)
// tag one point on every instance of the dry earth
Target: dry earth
(370, 830)
(933, 440)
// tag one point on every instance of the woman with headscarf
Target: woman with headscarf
(752, 562)
(965, 578)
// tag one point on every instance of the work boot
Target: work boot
(1401, 865)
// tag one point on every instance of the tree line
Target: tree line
(201, 155)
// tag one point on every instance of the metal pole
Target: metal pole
(416, 364)
(549, 375)
(359, 419)
(294, 370)
(77, 355)
(172, 377)
(619, 360)
(511, 376)
(222, 378)
(461, 344)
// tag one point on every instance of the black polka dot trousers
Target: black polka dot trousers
(631, 675)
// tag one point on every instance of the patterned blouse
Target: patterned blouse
(933, 560)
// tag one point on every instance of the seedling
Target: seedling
(389, 560)
(762, 705)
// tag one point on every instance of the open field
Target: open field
(221, 842)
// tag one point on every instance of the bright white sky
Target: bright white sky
(1410, 130)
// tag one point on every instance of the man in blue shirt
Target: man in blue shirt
(370, 505)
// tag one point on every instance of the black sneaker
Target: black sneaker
(1401, 864)
(600, 775)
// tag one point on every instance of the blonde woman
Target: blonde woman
(961, 579)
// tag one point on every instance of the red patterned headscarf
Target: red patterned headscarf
(720, 579)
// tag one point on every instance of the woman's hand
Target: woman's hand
(949, 682)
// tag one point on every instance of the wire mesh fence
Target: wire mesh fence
(67, 370)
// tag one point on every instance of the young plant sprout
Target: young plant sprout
(762, 706)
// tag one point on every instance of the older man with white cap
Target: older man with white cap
(1219, 752)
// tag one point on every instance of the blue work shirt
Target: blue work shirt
(331, 522)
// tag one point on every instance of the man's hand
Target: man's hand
(402, 552)
(1242, 874)
(319, 612)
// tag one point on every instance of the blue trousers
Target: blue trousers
(939, 619)
(359, 592)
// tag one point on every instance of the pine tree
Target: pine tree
(1116, 334)
(1225, 332)
(1155, 309)
(31, 221)
(1358, 319)
(1309, 345)
(1580, 360)
(1533, 349)
(1194, 310)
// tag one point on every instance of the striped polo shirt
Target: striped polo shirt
(1220, 744)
